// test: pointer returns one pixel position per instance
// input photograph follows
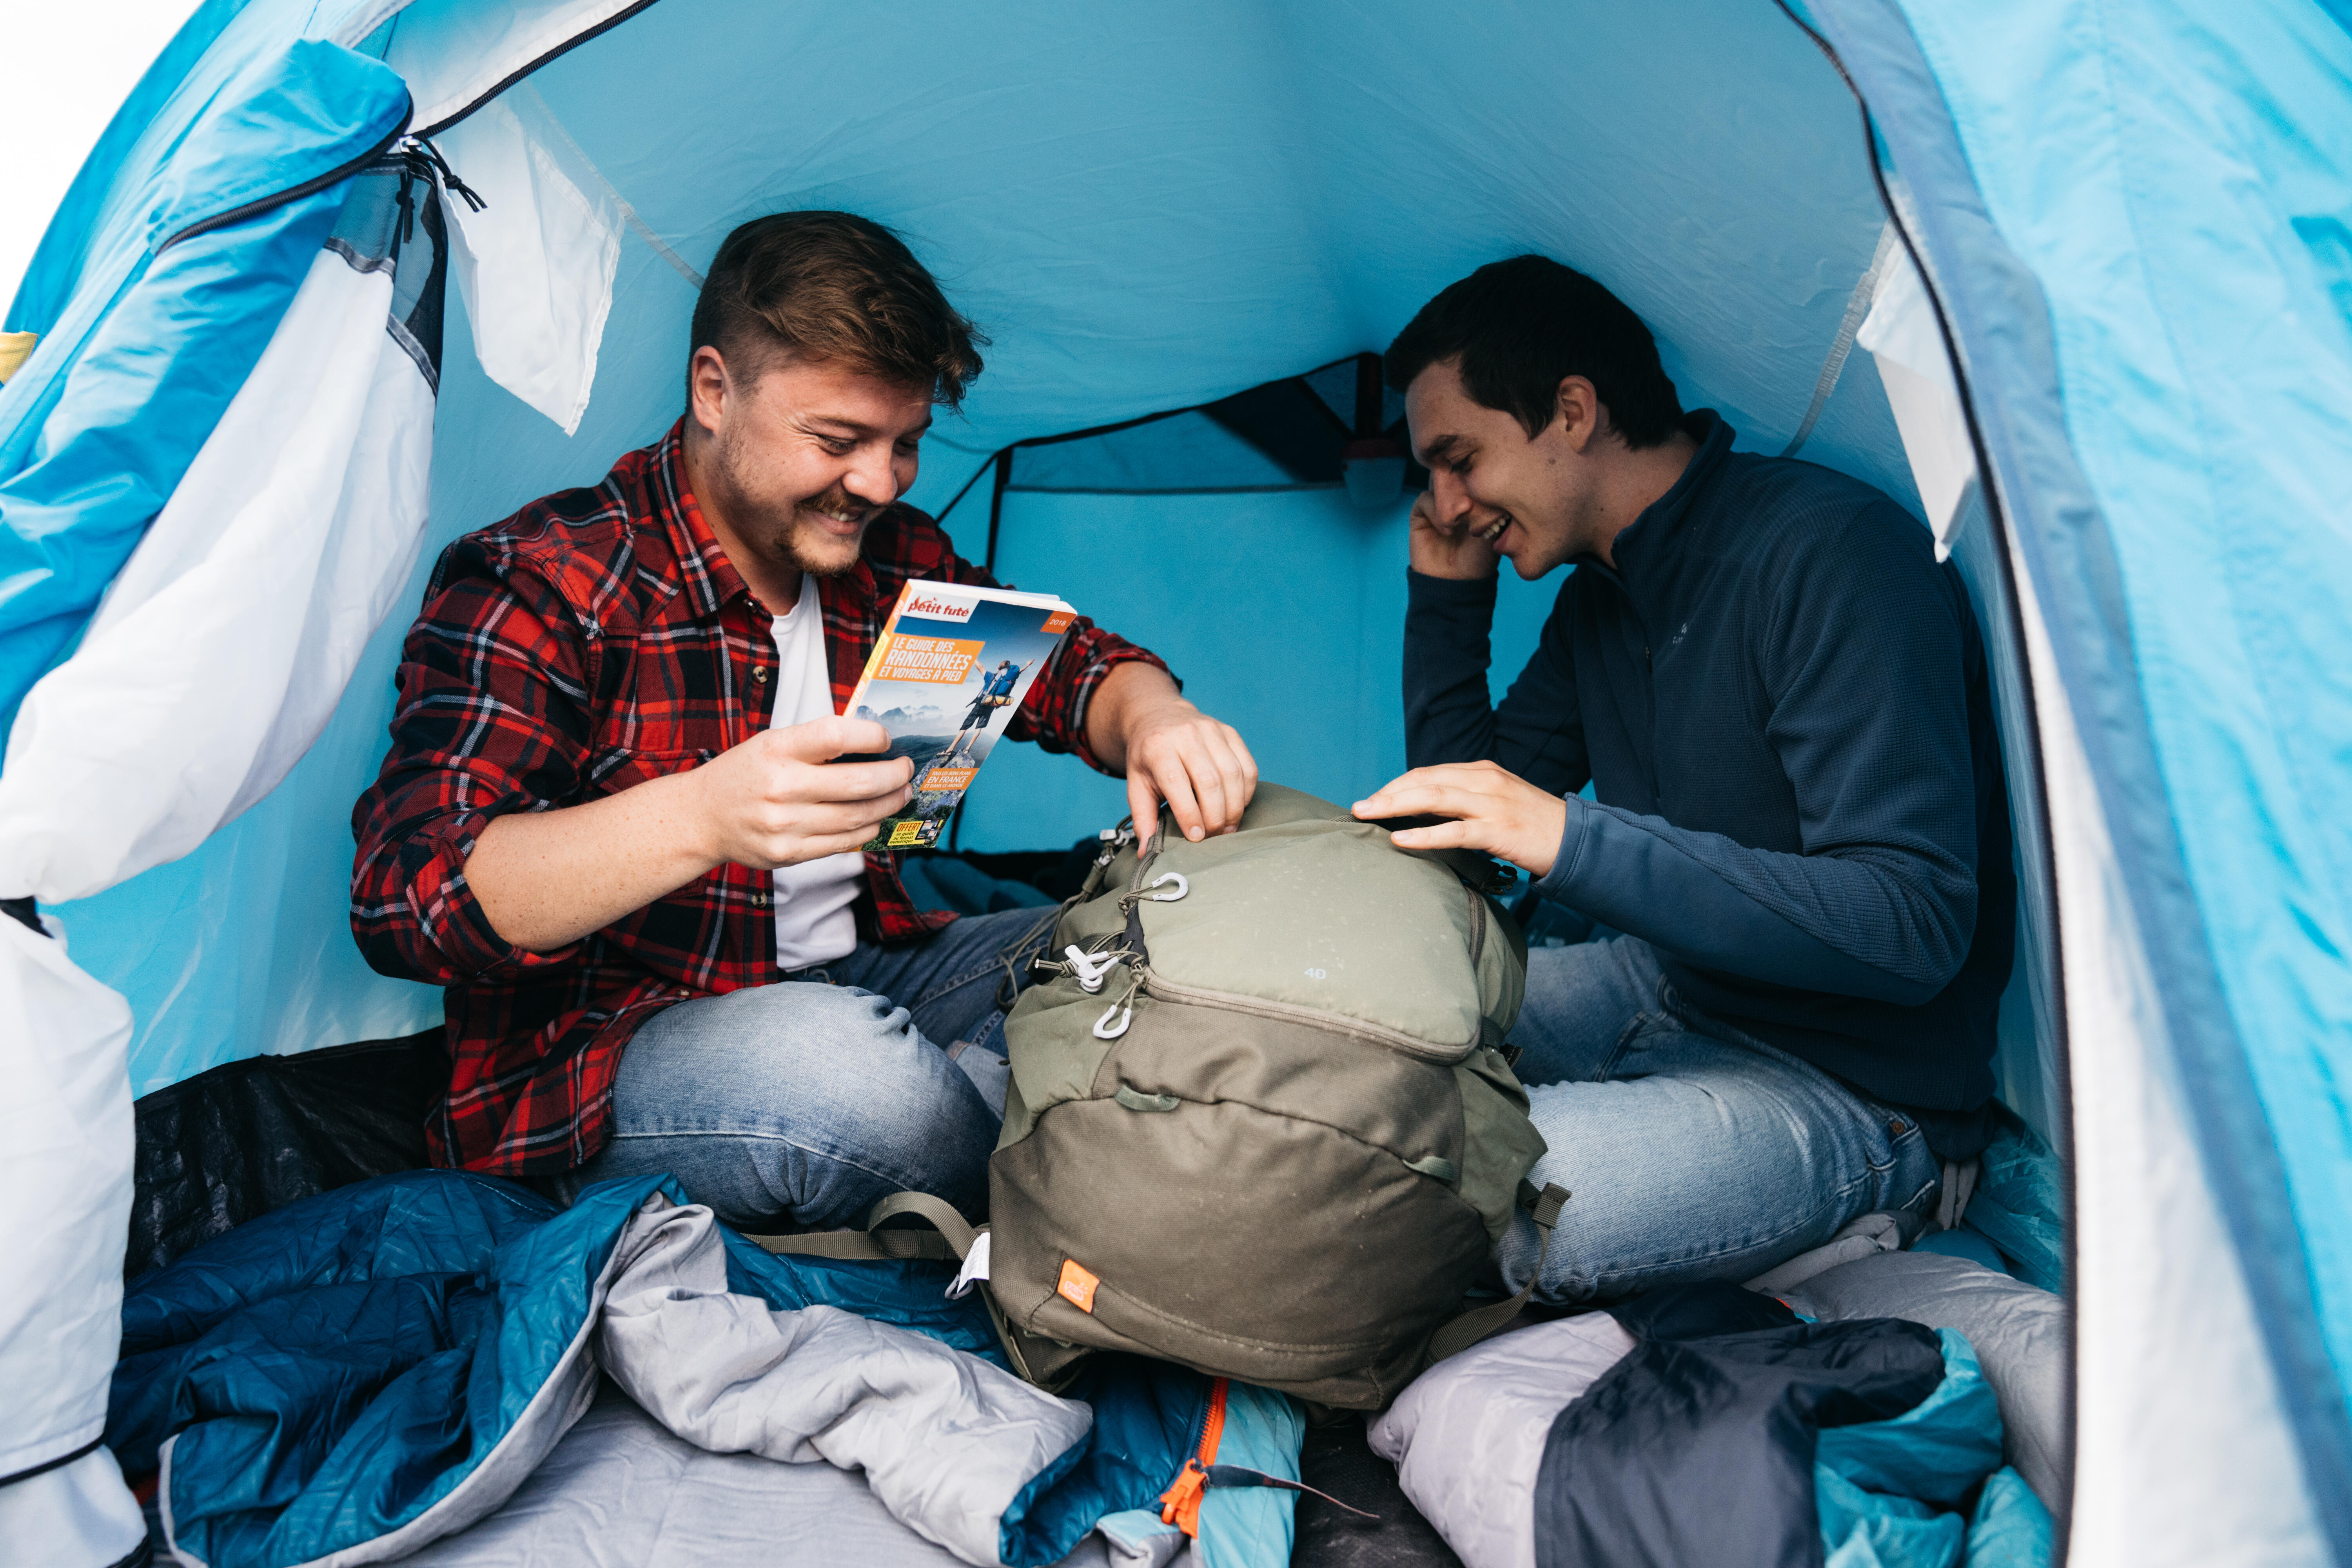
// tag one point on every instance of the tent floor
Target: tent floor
(1339, 1460)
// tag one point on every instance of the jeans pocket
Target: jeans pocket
(1632, 1041)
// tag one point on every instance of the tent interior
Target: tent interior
(1183, 228)
(1160, 218)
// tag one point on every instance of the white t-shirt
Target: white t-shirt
(813, 924)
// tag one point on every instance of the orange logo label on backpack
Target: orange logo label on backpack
(1077, 1286)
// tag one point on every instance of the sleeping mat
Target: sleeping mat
(359, 1374)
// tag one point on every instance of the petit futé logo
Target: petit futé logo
(933, 608)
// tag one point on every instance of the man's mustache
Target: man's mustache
(840, 503)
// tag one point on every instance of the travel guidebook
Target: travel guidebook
(945, 675)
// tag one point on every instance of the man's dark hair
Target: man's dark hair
(829, 285)
(1518, 327)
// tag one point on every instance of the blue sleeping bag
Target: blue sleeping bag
(387, 1363)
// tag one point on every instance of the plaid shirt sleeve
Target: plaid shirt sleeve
(491, 719)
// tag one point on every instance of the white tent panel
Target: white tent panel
(65, 1136)
(535, 263)
(79, 1512)
(2182, 1452)
(194, 691)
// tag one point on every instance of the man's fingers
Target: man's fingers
(814, 821)
(1248, 761)
(1380, 800)
(819, 784)
(1439, 835)
(830, 844)
(821, 740)
(1191, 755)
(1409, 793)
(1421, 800)
(1143, 805)
(1424, 515)
(1177, 791)
(1236, 782)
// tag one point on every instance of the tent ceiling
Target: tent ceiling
(1215, 194)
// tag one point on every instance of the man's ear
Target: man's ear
(1578, 411)
(707, 387)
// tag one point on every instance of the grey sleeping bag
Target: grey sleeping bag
(623, 1492)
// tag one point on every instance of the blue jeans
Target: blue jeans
(808, 1100)
(1692, 1150)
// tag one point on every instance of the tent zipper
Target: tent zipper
(528, 66)
(292, 192)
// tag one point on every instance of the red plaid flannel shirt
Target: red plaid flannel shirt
(595, 639)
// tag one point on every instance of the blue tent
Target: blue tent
(2073, 279)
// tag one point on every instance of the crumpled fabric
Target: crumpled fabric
(1711, 1424)
(369, 1370)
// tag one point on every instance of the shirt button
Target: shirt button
(760, 901)
(760, 673)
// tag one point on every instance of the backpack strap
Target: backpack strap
(1460, 1332)
(948, 1241)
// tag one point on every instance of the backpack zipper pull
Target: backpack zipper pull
(1090, 969)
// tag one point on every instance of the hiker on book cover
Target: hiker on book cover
(608, 823)
(1795, 860)
(995, 692)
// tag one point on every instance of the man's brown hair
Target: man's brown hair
(834, 286)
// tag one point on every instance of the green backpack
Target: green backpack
(1261, 1120)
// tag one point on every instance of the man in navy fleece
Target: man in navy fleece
(1798, 833)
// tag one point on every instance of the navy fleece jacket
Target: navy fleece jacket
(1780, 700)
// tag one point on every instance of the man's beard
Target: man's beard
(840, 555)
(779, 538)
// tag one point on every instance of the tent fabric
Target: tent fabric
(332, 425)
(96, 427)
(67, 1126)
(248, 1137)
(225, 642)
(2124, 218)
(2237, 279)
(2079, 384)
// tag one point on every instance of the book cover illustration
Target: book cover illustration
(945, 677)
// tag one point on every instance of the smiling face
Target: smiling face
(791, 469)
(1534, 500)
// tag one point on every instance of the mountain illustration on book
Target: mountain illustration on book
(948, 673)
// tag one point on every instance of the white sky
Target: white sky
(69, 69)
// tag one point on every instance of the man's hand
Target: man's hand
(779, 799)
(1171, 751)
(1493, 810)
(546, 879)
(1449, 549)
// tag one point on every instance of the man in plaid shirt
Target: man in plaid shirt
(611, 823)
